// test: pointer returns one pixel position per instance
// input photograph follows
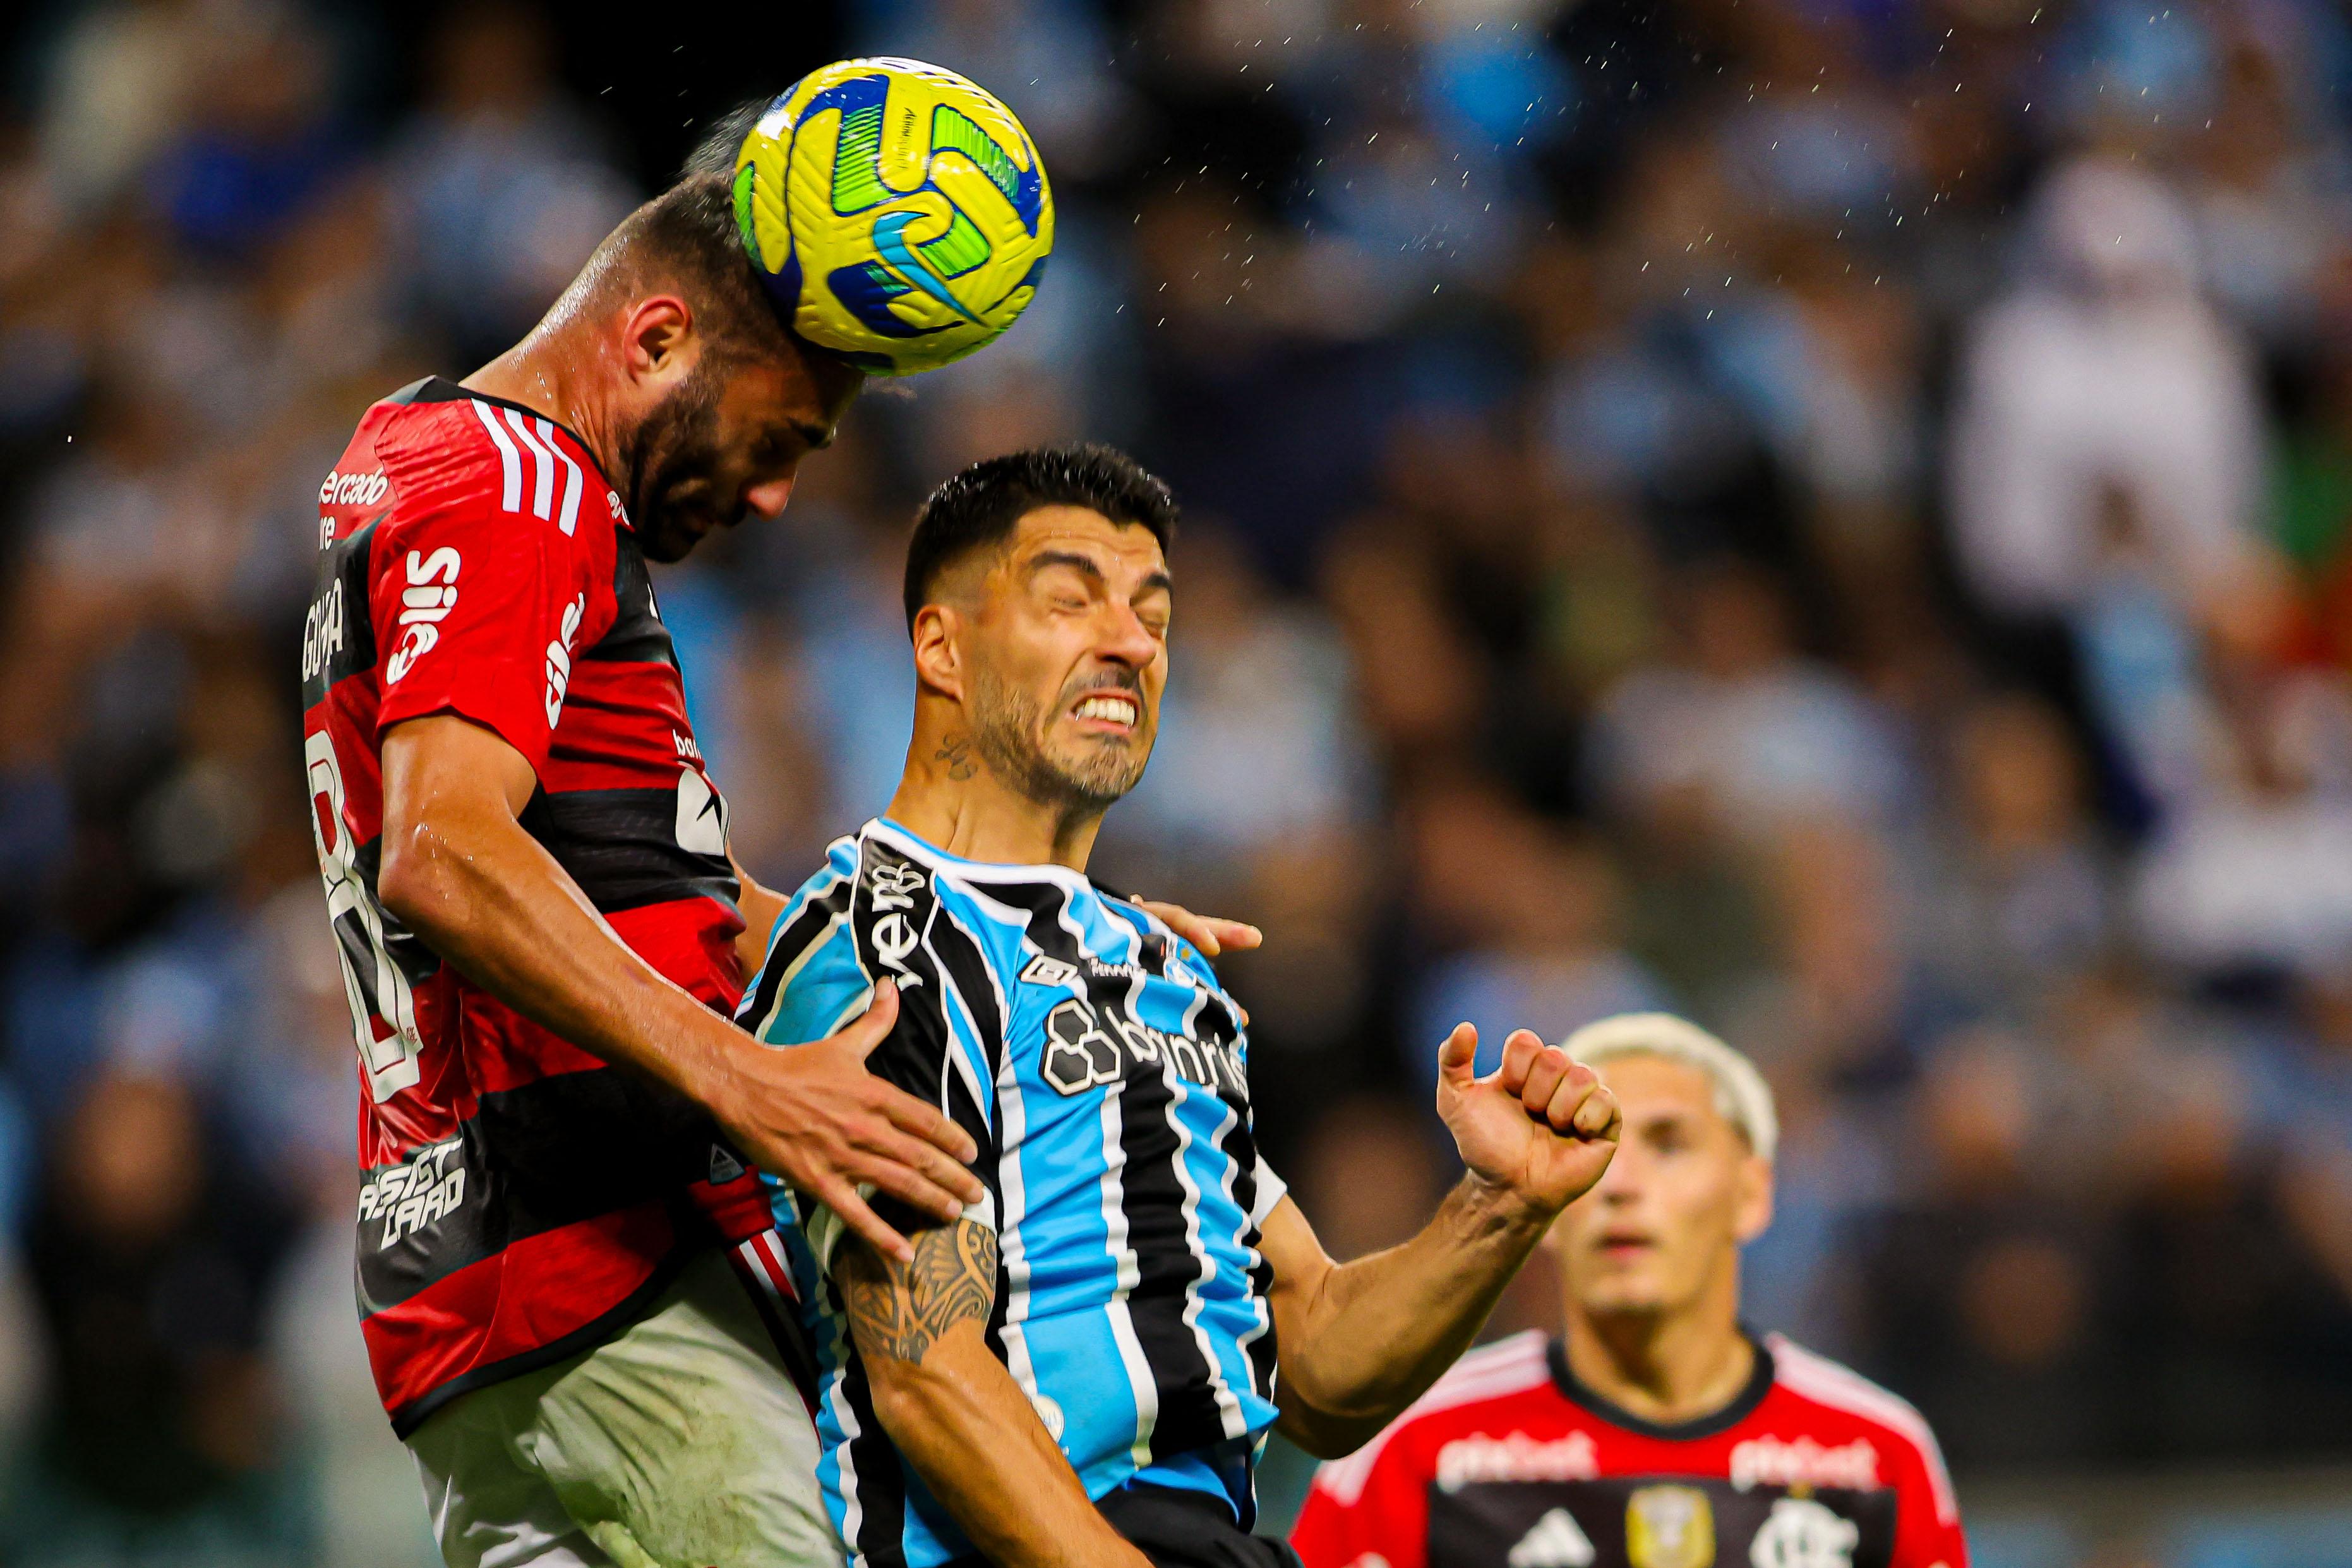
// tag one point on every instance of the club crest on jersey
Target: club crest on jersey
(1803, 1533)
(1669, 1527)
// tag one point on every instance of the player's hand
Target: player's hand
(816, 1118)
(1210, 934)
(1541, 1126)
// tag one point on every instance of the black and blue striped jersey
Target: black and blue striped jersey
(1103, 1072)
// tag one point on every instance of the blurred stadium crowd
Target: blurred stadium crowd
(1834, 516)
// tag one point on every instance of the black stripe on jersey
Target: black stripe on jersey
(339, 632)
(893, 909)
(879, 1475)
(531, 1159)
(637, 635)
(1167, 1266)
(621, 846)
(1240, 1146)
(807, 927)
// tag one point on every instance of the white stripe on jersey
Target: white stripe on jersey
(1231, 1420)
(509, 460)
(1139, 1379)
(571, 516)
(542, 489)
(1817, 1377)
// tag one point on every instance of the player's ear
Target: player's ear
(1755, 1200)
(939, 661)
(657, 338)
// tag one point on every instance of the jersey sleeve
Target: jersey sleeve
(939, 1049)
(477, 608)
(1927, 1514)
(1370, 1510)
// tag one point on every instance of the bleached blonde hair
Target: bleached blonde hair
(1741, 1094)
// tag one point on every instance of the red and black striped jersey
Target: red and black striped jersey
(1509, 1461)
(520, 1200)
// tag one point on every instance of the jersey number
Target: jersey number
(384, 1012)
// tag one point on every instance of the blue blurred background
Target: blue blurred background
(1829, 517)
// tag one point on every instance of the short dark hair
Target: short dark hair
(687, 235)
(980, 508)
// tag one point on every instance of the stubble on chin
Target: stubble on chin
(1009, 728)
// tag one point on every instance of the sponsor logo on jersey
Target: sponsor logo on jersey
(1669, 1527)
(410, 1196)
(1803, 1533)
(1518, 1457)
(431, 594)
(1043, 970)
(1085, 1051)
(891, 887)
(1771, 1462)
(1556, 1541)
(322, 630)
(559, 655)
(353, 489)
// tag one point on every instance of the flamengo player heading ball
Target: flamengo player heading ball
(1656, 1432)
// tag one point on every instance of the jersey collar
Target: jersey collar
(1742, 1404)
(441, 388)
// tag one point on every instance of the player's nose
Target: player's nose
(768, 499)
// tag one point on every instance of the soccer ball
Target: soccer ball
(897, 213)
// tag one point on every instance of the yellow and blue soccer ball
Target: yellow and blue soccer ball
(899, 212)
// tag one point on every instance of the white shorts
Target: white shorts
(678, 1443)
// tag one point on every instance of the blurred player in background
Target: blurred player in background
(529, 877)
(1656, 1432)
(1080, 1368)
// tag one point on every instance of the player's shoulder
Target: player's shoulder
(442, 447)
(1849, 1400)
(1458, 1402)
(812, 969)
(1813, 1379)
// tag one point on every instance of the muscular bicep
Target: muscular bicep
(447, 759)
(898, 1312)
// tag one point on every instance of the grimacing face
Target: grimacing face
(1067, 645)
(1666, 1220)
(727, 443)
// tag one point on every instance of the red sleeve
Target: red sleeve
(1926, 1516)
(478, 609)
(1367, 1510)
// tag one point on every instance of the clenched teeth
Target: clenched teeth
(1117, 710)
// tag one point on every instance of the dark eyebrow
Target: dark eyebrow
(1076, 562)
(1089, 570)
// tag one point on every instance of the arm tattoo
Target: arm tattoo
(898, 1310)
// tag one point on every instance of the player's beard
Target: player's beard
(1009, 728)
(675, 447)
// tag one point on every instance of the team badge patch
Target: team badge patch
(1669, 1527)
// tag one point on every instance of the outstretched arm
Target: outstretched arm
(956, 1414)
(1360, 1340)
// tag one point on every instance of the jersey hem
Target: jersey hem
(587, 1336)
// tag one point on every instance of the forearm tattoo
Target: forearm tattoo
(898, 1310)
